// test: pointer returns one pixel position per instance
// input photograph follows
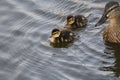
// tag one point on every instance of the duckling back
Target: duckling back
(80, 21)
(66, 36)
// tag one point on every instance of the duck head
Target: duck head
(70, 19)
(54, 34)
(108, 8)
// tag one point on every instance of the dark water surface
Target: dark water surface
(25, 54)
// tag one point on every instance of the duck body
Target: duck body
(63, 36)
(75, 22)
(112, 31)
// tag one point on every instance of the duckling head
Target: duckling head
(70, 19)
(110, 6)
(54, 34)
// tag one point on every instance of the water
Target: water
(25, 54)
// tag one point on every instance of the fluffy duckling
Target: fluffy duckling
(75, 22)
(61, 36)
(112, 31)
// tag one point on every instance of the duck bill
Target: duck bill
(102, 20)
(51, 39)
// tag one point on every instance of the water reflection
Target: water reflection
(113, 49)
(25, 26)
(63, 45)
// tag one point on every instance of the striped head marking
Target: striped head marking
(55, 33)
(70, 19)
(108, 8)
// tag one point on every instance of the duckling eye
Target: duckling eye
(71, 19)
(56, 34)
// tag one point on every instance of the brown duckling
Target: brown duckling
(61, 36)
(75, 22)
(112, 31)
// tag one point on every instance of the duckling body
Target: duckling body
(61, 36)
(75, 22)
(112, 31)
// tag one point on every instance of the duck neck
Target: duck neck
(115, 21)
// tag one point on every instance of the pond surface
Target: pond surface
(25, 53)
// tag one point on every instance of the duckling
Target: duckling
(112, 31)
(61, 36)
(75, 22)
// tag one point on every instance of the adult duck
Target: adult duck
(112, 31)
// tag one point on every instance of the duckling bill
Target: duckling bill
(112, 31)
(61, 36)
(75, 22)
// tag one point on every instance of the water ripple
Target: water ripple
(25, 53)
